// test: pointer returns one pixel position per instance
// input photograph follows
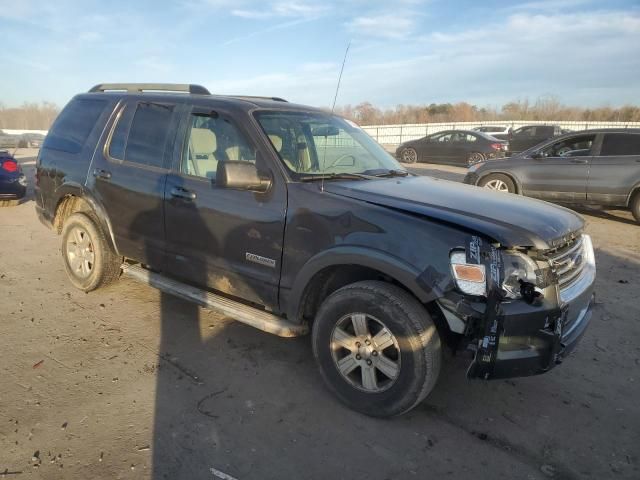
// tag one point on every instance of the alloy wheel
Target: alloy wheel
(365, 352)
(409, 155)
(80, 252)
(497, 185)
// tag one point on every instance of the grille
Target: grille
(568, 262)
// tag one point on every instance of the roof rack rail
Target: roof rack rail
(257, 97)
(157, 87)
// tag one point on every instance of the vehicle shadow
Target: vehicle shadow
(616, 215)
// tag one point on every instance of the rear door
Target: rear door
(615, 170)
(129, 175)
(219, 238)
(560, 173)
(439, 148)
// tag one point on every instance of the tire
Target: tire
(634, 205)
(88, 258)
(408, 155)
(404, 348)
(475, 157)
(498, 182)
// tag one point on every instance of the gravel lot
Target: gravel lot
(129, 383)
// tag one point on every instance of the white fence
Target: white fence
(397, 134)
(21, 132)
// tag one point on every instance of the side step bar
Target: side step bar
(265, 321)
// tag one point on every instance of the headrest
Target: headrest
(277, 142)
(203, 140)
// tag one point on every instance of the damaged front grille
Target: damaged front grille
(568, 261)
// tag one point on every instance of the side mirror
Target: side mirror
(241, 175)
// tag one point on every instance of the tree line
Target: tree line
(29, 116)
(40, 116)
(544, 108)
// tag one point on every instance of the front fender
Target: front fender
(426, 285)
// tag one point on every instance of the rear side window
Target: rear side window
(147, 140)
(620, 144)
(74, 124)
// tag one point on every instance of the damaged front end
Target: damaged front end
(521, 310)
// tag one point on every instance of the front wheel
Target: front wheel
(408, 155)
(89, 260)
(377, 348)
(498, 182)
(635, 206)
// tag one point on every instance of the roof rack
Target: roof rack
(156, 87)
(256, 97)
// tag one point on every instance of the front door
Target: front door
(218, 238)
(129, 174)
(560, 171)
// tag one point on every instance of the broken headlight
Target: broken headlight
(520, 275)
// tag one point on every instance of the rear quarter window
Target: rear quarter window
(620, 144)
(74, 124)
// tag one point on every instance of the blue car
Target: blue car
(13, 183)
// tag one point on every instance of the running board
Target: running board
(265, 321)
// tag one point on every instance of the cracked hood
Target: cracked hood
(512, 220)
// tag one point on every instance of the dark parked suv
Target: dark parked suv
(291, 219)
(591, 167)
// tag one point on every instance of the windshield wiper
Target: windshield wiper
(386, 173)
(335, 176)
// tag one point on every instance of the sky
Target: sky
(586, 53)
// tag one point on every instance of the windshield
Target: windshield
(317, 143)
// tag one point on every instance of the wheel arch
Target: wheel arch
(72, 198)
(330, 270)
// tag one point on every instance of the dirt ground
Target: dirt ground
(128, 383)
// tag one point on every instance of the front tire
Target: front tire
(377, 348)
(88, 258)
(498, 183)
(408, 155)
(634, 205)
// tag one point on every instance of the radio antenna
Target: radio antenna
(333, 107)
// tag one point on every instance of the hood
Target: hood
(512, 220)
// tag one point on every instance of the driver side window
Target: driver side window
(579, 146)
(447, 137)
(213, 139)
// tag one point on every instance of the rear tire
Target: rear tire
(634, 205)
(498, 182)
(89, 260)
(475, 157)
(377, 348)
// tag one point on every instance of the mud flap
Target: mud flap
(479, 252)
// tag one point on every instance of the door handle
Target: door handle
(104, 174)
(579, 161)
(179, 192)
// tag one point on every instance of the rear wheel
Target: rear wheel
(89, 260)
(377, 348)
(475, 157)
(635, 206)
(498, 182)
(408, 155)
